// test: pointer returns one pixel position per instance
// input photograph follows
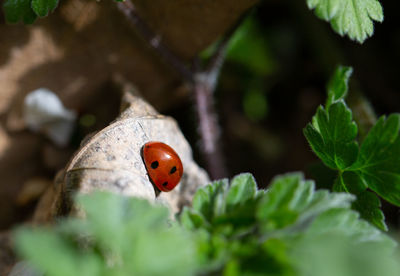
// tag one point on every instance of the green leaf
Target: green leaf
(291, 200)
(161, 252)
(312, 231)
(334, 254)
(379, 159)
(209, 200)
(374, 165)
(346, 222)
(232, 268)
(338, 85)
(368, 205)
(349, 17)
(55, 254)
(120, 236)
(123, 216)
(332, 136)
(338, 243)
(278, 206)
(349, 182)
(243, 187)
(17, 10)
(191, 219)
(43, 7)
(219, 207)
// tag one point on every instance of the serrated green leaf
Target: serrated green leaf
(376, 162)
(19, 10)
(43, 7)
(367, 203)
(225, 207)
(291, 200)
(209, 200)
(191, 219)
(332, 136)
(338, 84)
(324, 226)
(353, 18)
(280, 196)
(379, 159)
(243, 187)
(241, 218)
(369, 207)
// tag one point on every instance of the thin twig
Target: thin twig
(154, 40)
(208, 127)
(203, 82)
(204, 87)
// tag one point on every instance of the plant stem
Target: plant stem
(154, 40)
(209, 131)
(203, 82)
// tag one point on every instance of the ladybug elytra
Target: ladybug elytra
(163, 165)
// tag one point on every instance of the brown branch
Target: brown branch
(203, 82)
(154, 40)
(204, 87)
(208, 126)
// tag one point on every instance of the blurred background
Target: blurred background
(274, 78)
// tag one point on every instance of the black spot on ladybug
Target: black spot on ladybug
(172, 170)
(165, 184)
(154, 165)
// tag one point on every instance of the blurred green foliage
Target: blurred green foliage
(249, 47)
(120, 236)
(255, 103)
(27, 10)
(249, 50)
(231, 229)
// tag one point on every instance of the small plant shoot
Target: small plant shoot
(367, 168)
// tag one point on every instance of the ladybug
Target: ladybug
(163, 165)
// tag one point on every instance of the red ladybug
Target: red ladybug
(163, 165)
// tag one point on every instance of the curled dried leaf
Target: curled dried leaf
(111, 159)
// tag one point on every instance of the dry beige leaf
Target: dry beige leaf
(76, 51)
(111, 160)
